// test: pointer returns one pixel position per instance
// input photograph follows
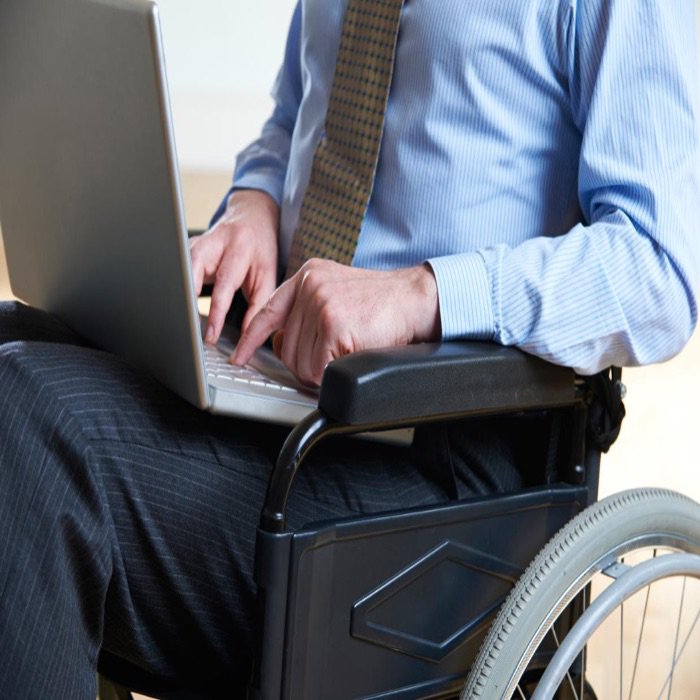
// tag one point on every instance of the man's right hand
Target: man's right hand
(238, 252)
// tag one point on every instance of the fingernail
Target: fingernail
(209, 335)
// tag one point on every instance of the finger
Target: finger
(258, 297)
(197, 268)
(270, 318)
(228, 281)
(306, 339)
(205, 254)
(277, 340)
(292, 327)
(320, 356)
(326, 345)
(198, 281)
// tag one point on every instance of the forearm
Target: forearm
(600, 295)
(605, 295)
(619, 287)
(263, 164)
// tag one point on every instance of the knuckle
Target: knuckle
(268, 308)
(195, 253)
(311, 270)
(310, 264)
(216, 309)
(327, 319)
(220, 301)
(234, 232)
(224, 275)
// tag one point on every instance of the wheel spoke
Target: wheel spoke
(568, 675)
(622, 643)
(625, 524)
(639, 577)
(675, 641)
(680, 653)
(639, 641)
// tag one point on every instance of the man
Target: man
(537, 185)
(491, 152)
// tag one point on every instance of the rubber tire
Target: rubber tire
(606, 530)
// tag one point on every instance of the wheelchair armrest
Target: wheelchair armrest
(397, 385)
(382, 389)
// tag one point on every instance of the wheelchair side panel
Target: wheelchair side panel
(396, 605)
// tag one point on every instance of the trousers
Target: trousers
(128, 517)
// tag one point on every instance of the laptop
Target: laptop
(91, 203)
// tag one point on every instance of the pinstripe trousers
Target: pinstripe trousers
(128, 517)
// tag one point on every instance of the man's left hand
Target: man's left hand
(327, 310)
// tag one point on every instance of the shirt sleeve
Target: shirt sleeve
(620, 287)
(263, 164)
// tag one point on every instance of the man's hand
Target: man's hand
(238, 252)
(327, 310)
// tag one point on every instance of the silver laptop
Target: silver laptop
(90, 201)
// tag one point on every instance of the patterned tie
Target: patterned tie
(345, 160)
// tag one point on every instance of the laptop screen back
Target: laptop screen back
(90, 201)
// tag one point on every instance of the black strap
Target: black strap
(606, 409)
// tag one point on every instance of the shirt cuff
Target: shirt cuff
(464, 295)
(249, 182)
(268, 182)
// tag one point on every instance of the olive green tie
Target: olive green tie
(345, 160)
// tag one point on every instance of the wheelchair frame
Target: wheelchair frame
(339, 601)
(330, 641)
(344, 604)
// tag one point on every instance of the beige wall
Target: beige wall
(222, 60)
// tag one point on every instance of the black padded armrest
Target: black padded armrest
(440, 379)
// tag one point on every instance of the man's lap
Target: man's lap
(183, 490)
(175, 494)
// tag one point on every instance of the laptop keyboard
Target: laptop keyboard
(218, 366)
(252, 381)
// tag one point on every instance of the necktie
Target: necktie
(345, 160)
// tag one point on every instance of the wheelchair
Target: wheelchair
(466, 599)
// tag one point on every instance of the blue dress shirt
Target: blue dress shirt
(541, 155)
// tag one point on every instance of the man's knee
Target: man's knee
(21, 322)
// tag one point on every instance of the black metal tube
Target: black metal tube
(302, 438)
(317, 425)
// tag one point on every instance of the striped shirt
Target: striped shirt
(541, 155)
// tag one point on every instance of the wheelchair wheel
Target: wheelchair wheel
(605, 541)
